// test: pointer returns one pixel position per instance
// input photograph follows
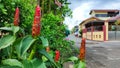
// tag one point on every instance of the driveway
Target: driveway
(100, 54)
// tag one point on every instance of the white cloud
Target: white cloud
(81, 9)
(112, 5)
(80, 13)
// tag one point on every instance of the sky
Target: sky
(81, 9)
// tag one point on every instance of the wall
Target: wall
(88, 35)
(84, 35)
(114, 35)
(99, 36)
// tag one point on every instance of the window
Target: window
(98, 28)
(101, 15)
(99, 36)
(88, 29)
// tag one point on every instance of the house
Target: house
(101, 26)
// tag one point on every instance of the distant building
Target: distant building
(101, 25)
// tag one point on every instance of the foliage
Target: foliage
(7, 9)
(28, 52)
(54, 30)
(50, 6)
(22, 46)
(117, 22)
(80, 32)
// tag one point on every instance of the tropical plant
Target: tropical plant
(19, 48)
(22, 51)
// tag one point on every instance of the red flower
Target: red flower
(16, 17)
(57, 55)
(82, 49)
(48, 49)
(36, 23)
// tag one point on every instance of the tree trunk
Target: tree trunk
(38, 2)
(42, 7)
(49, 6)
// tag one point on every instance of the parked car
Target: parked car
(76, 34)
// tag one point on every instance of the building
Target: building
(101, 26)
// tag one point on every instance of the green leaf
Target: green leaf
(1, 6)
(15, 29)
(6, 28)
(80, 64)
(6, 41)
(35, 63)
(10, 67)
(43, 52)
(73, 58)
(12, 62)
(44, 58)
(17, 46)
(44, 41)
(4, 11)
(38, 63)
(26, 42)
(27, 64)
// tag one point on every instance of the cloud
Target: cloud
(79, 13)
(81, 9)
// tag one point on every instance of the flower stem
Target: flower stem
(32, 53)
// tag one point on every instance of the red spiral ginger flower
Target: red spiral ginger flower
(16, 17)
(57, 56)
(82, 49)
(36, 23)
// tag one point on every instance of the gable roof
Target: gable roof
(88, 19)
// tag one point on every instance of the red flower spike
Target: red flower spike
(82, 49)
(16, 17)
(57, 56)
(36, 22)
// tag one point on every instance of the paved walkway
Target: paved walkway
(100, 54)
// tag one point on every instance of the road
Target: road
(100, 54)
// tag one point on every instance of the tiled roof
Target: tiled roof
(109, 10)
(114, 18)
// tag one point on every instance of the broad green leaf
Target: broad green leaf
(26, 42)
(6, 28)
(80, 64)
(73, 58)
(17, 46)
(27, 64)
(51, 54)
(44, 41)
(6, 41)
(44, 58)
(12, 62)
(43, 52)
(15, 29)
(38, 64)
(1, 6)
